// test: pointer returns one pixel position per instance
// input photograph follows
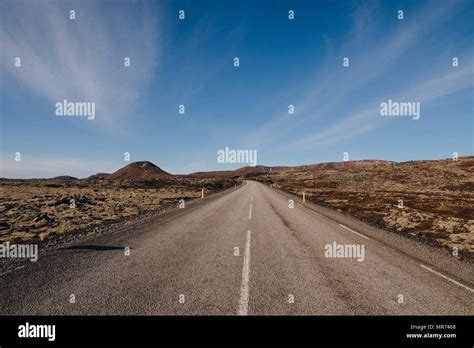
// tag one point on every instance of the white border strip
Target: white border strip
(347, 228)
(447, 278)
(244, 288)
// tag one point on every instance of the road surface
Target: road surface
(241, 252)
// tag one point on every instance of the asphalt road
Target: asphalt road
(186, 262)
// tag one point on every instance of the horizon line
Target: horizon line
(237, 169)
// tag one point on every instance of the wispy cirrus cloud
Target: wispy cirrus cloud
(80, 59)
(375, 58)
(368, 118)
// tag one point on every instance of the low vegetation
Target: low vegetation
(434, 199)
(33, 210)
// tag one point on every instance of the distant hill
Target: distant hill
(217, 173)
(64, 177)
(343, 165)
(138, 171)
(259, 170)
(145, 170)
(98, 176)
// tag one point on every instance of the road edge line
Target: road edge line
(447, 278)
(349, 229)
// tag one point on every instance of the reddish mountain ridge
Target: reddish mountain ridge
(138, 171)
(343, 165)
(145, 170)
(257, 170)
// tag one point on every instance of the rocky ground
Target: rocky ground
(430, 199)
(38, 210)
(433, 199)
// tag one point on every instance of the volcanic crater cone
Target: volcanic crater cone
(139, 171)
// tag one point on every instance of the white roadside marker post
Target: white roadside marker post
(202, 193)
(304, 197)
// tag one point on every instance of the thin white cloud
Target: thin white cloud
(457, 79)
(81, 59)
(321, 102)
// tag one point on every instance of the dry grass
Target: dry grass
(438, 196)
(39, 209)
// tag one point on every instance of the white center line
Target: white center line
(250, 212)
(347, 228)
(447, 278)
(244, 288)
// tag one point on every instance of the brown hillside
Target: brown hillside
(98, 176)
(260, 170)
(138, 171)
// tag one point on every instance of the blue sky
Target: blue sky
(190, 62)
